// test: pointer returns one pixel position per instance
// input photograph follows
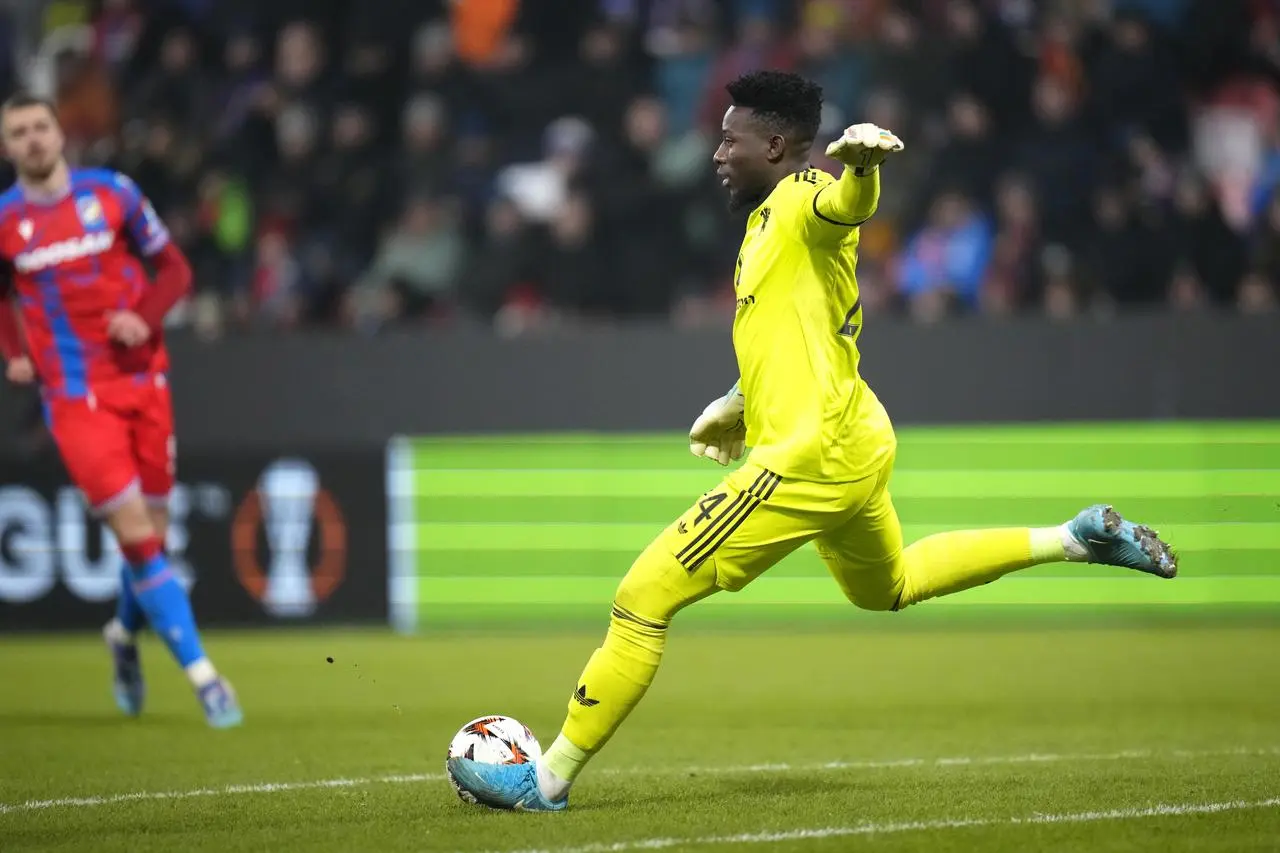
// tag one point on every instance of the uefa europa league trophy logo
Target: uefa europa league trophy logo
(287, 490)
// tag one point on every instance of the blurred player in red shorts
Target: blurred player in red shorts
(71, 242)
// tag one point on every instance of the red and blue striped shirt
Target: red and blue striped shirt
(74, 261)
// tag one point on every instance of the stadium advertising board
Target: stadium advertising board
(258, 538)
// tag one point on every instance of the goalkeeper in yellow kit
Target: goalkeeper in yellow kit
(822, 445)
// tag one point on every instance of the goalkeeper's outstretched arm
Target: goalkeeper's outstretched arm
(853, 199)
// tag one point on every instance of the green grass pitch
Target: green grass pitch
(544, 527)
(1078, 709)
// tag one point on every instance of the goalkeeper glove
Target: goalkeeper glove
(863, 148)
(720, 433)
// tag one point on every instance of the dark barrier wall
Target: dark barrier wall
(318, 391)
(331, 390)
(263, 538)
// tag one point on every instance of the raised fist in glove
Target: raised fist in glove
(863, 147)
(720, 433)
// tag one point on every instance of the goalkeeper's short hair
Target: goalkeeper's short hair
(787, 103)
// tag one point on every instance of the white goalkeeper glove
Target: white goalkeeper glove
(863, 148)
(720, 433)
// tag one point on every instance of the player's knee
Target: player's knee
(129, 519)
(641, 601)
(867, 586)
(159, 514)
(879, 602)
(644, 594)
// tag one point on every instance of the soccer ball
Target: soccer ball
(493, 740)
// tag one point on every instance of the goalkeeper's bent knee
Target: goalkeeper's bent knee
(657, 586)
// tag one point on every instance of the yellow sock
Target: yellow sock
(616, 678)
(950, 562)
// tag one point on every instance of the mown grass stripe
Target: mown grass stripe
(1110, 485)
(1126, 589)
(1138, 446)
(1099, 432)
(961, 512)
(804, 562)
(519, 536)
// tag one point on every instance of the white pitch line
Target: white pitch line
(1162, 810)
(955, 761)
(226, 790)
(413, 778)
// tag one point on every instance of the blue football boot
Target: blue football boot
(221, 708)
(126, 684)
(500, 786)
(1110, 540)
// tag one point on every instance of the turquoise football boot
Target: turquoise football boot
(126, 684)
(221, 707)
(1112, 541)
(500, 786)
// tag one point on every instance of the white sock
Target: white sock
(552, 786)
(115, 632)
(201, 673)
(1076, 551)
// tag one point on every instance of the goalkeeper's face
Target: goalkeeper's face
(747, 159)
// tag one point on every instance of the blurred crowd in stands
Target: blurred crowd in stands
(527, 163)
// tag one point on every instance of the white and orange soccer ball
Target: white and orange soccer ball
(494, 739)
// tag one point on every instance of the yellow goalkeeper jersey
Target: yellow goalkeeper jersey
(809, 414)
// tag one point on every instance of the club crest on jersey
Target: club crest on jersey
(90, 211)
